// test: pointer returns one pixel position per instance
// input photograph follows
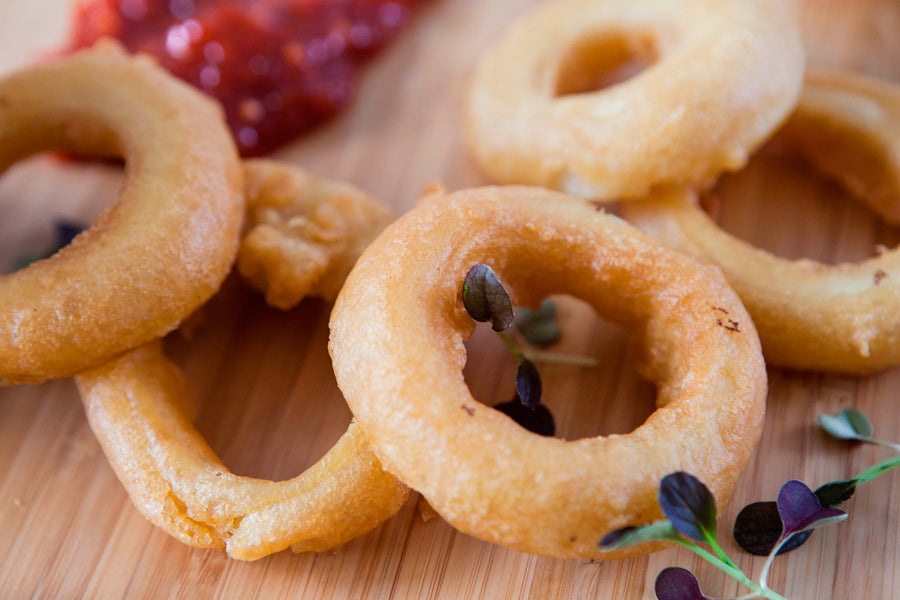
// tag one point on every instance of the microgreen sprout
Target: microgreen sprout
(486, 300)
(519, 352)
(690, 511)
(537, 420)
(757, 527)
(528, 384)
(852, 425)
(526, 408)
(539, 327)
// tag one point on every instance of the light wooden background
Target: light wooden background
(269, 406)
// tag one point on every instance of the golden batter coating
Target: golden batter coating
(726, 73)
(136, 408)
(398, 328)
(304, 233)
(810, 315)
(151, 258)
(137, 405)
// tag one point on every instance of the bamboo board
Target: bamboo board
(269, 406)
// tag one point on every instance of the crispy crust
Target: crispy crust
(397, 347)
(813, 316)
(137, 404)
(135, 408)
(151, 258)
(304, 233)
(727, 73)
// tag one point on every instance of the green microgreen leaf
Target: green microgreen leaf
(539, 327)
(689, 505)
(657, 531)
(542, 334)
(528, 384)
(849, 424)
(486, 299)
(852, 425)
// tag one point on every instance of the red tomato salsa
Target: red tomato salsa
(279, 67)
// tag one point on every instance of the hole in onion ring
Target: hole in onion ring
(610, 398)
(40, 192)
(279, 425)
(597, 62)
(807, 214)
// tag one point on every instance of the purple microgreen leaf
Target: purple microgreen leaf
(486, 299)
(675, 583)
(629, 536)
(473, 294)
(538, 420)
(835, 493)
(849, 424)
(539, 327)
(689, 505)
(528, 384)
(757, 529)
(800, 509)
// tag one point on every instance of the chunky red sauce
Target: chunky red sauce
(279, 67)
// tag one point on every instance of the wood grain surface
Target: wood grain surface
(269, 406)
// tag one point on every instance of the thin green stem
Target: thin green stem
(730, 570)
(764, 575)
(511, 346)
(555, 357)
(710, 538)
(539, 356)
(877, 469)
(884, 444)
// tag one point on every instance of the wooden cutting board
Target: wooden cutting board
(269, 406)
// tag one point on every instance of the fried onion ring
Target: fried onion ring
(398, 328)
(305, 233)
(151, 258)
(727, 72)
(811, 316)
(137, 408)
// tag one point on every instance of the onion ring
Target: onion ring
(305, 233)
(847, 125)
(397, 347)
(137, 408)
(151, 258)
(811, 316)
(728, 72)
